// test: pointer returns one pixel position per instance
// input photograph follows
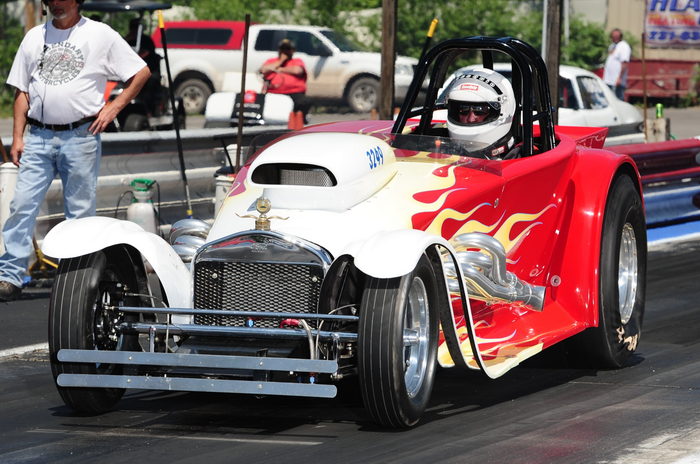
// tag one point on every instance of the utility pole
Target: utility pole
(551, 49)
(386, 95)
(29, 15)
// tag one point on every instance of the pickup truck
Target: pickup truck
(202, 52)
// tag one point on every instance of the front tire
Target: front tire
(363, 94)
(194, 94)
(80, 317)
(397, 345)
(622, 282)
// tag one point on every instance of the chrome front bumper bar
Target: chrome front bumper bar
(199, 361)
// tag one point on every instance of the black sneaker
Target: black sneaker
(8, 291)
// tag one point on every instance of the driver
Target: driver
(480, 108)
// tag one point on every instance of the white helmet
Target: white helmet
(480, 109)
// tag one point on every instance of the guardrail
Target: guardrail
(670, 178)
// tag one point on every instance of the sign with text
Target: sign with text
(672, 23)
(253, 105)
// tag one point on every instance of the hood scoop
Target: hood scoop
(326, 171)
(294, 174)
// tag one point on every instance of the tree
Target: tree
(587, 45)
(11, 34)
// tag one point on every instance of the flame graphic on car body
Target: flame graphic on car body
(498, 353)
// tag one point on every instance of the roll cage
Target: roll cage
(530, 85)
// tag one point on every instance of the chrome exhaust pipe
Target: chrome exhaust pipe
(187, 235)
(485, 273)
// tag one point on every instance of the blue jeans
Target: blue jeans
(75, 156)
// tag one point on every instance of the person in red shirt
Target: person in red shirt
(286, 75)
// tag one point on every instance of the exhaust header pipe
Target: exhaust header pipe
(485, 273)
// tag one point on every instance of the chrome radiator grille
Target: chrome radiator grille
(259, 287)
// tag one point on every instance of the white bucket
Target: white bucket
(8, 181)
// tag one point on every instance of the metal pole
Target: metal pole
(552, 52)
(429, 37)
(388, 58)
(644, 85)
(567, 13)
(239, 139)
(545, 7)
(176, 120)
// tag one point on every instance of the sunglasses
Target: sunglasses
(478, 110)
(42, 56)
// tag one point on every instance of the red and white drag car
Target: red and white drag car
(370, 251)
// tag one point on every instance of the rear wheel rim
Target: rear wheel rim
(627, 274)
(416, 337)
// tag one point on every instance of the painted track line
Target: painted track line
(179, 436)
(19, 350)
(658, 237)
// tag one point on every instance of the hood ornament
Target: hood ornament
(262, 222)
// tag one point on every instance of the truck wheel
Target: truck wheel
(135, 122)
(363, 94)
(194, 94)
(397, 345)
(80, 318)
(622, 283)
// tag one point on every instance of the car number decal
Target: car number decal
(375, 157)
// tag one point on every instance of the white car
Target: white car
(585, 100)
(202, 54)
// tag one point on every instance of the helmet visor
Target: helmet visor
(472, 113)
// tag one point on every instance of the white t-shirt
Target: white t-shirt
(618, 53)
(65, 71)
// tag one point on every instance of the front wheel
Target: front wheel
(397, 345)
(363, 94)
(82, 316)
(622, 283)
(194, 94)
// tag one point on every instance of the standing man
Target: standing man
(615, 70)
(287, 75)
(60, 73)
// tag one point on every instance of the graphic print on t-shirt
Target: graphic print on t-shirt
(60, 63)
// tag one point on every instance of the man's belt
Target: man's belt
(61, 127)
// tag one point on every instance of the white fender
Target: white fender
(392, 253)
(78, 237)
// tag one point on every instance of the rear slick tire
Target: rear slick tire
(78, 319)
(397, 346)
(622, 283)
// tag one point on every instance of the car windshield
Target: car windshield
(340, 41)
(431, 143)
(592, 93)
